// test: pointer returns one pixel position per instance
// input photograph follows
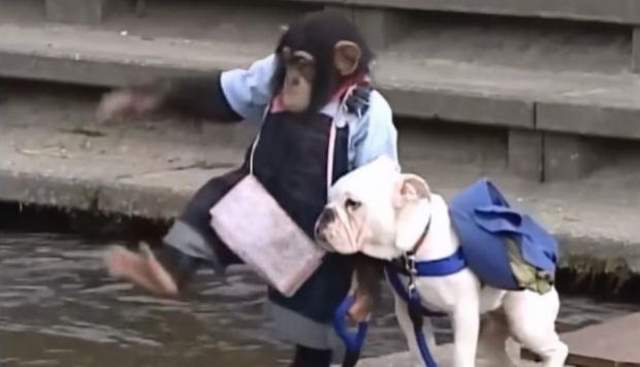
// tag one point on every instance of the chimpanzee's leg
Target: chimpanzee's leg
(309, 357)
(189, 244)
(192, 234)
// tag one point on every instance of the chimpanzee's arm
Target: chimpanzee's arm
(376, 135)
(233, 95)
(369, 275)
(198, 97)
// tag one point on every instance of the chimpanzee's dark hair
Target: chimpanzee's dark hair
(317, 33)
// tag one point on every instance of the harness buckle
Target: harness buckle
(410, 265)
(411, 287)
(412, 271)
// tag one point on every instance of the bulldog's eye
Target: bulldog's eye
(352, 204)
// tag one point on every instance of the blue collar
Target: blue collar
(434, 268)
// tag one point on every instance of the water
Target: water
(59, 308)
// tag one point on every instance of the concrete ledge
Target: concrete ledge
(48, 190)
(583, 248)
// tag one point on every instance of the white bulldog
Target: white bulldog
(382, 213)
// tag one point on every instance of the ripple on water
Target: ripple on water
(59, 308)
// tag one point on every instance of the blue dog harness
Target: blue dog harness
(412, 269)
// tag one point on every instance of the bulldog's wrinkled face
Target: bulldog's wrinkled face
(375, 210)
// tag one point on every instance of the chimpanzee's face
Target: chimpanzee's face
(300, 73)
(316, 56)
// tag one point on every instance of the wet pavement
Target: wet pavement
(58, 307)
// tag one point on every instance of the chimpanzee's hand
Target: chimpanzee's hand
(362, 308)
(127, 104)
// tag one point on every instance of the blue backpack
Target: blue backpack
(486, 225)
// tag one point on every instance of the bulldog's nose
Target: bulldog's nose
(327, 216)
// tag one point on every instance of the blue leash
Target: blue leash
(353, 341)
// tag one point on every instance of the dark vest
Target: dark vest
(291, 162)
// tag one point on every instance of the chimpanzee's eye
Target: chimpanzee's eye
(352, 204)
(307, 69)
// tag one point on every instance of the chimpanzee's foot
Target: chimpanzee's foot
(142, 269)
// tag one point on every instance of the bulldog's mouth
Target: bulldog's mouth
(324, 220)
(324, 244)
(321, 238)
(333, 234)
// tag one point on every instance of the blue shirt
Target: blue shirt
(248, 92)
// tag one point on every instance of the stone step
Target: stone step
(612, 11)
(531, 42)
(615, 11)
(383, 22)
(537, 103)
(568, 102)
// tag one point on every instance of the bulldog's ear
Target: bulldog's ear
(410, 188)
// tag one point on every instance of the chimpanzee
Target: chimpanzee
(318, 74)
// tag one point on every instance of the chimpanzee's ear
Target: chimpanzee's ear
(347, 57)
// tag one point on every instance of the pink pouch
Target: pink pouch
(260, 232)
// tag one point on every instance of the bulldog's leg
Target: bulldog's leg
(466, 327)
(494, 332)
(402, 314)
(531, 319)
